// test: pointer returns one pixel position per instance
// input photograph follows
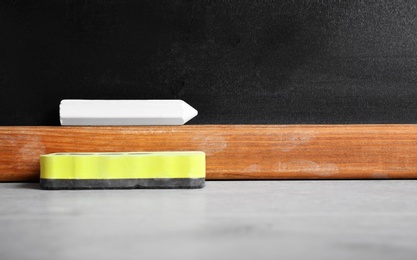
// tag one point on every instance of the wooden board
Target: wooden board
(233, 151)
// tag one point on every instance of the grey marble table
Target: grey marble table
(224, 220)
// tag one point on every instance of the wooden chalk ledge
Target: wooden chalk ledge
(233, 151)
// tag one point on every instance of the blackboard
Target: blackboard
(236, 62)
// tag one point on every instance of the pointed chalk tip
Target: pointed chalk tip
(188, 112)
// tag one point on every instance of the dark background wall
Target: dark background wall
(237, 61)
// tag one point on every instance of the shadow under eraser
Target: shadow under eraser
(125, 170)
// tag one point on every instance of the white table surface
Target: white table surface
(225, 220)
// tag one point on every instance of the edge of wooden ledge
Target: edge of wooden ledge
(233, 151)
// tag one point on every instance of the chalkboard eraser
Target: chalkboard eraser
(148, 170)
(125, 112)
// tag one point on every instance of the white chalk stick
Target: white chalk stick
(125, 112)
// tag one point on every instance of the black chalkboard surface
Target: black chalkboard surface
(236, 62)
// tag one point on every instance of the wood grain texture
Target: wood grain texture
(233, 151)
